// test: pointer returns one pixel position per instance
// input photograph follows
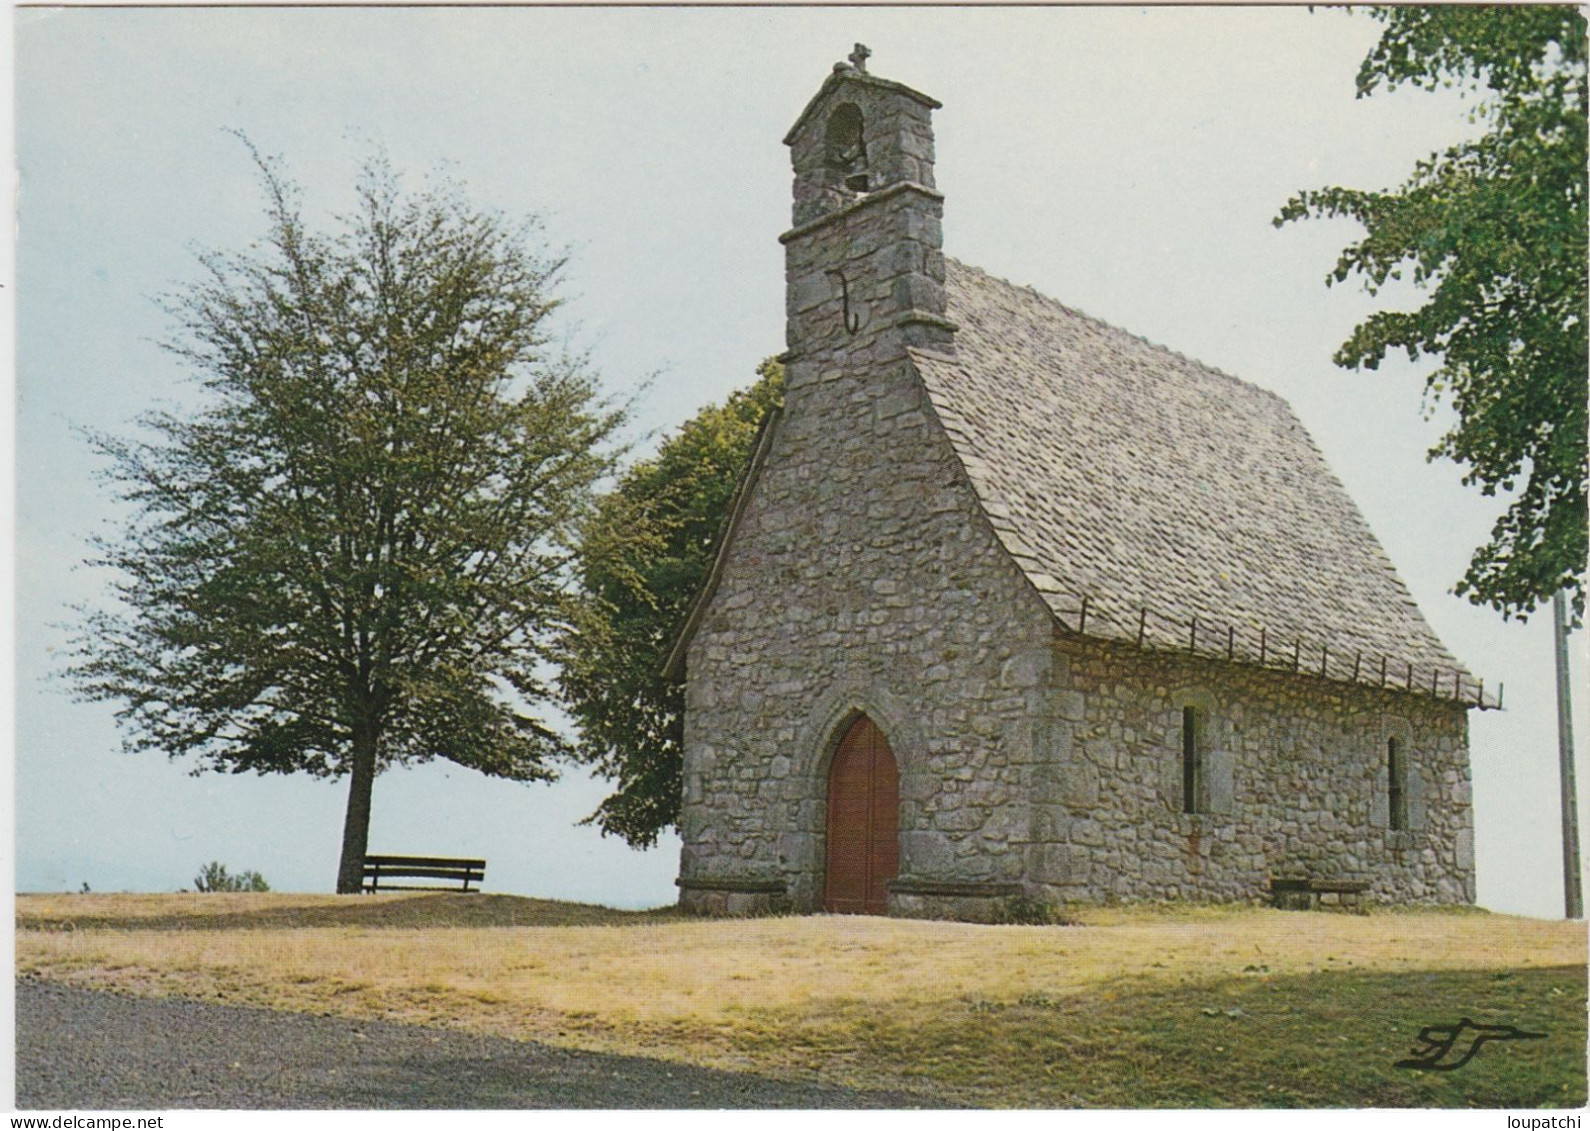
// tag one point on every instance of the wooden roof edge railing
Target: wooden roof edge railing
(1254, 645)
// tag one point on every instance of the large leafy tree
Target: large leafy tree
(357, 550)
(1495, 229)
(646, 556)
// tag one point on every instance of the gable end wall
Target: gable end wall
(863, 578)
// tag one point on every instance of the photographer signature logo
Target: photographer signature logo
(1445, 1048)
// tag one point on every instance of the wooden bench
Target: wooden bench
(1296, 894)
(379, 868)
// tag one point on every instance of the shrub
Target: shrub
(214, 877)
(1025, 910)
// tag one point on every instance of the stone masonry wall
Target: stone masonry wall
(1297, 784)
(862, 579)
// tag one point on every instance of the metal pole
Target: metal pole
(1573, 888)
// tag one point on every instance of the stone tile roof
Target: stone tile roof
(1122, 473)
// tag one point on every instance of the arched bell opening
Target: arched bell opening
(844, 150)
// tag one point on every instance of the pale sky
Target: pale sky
(1126, 162)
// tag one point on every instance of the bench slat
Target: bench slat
(424, 861)
(427, 873)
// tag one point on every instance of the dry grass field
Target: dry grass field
(1191, 1006)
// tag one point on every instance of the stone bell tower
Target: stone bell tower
(855, 589)
(864, 263)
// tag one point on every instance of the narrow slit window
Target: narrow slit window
(1397, 784)
(1191, 761)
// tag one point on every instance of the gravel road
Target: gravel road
(91, 1050)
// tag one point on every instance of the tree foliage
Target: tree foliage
(357, 552)
(1495, 229)
(648, 553)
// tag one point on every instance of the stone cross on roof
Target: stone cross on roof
(858, 57)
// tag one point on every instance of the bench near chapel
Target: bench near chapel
(452, 869)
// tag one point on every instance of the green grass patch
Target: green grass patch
(1328, 1039)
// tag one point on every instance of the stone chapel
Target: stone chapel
(1011, 602)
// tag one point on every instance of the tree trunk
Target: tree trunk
(356, 827)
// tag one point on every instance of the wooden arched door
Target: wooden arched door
(863, 822)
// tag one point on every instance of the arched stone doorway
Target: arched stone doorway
(863, 822)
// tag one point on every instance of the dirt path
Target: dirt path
(89, 1050)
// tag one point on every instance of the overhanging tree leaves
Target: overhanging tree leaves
(357, 553)
(647, 554)
(1495, 229)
